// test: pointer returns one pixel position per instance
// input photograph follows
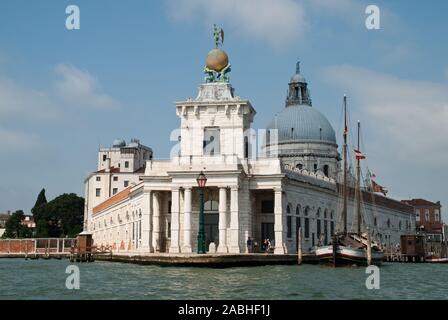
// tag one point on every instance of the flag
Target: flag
(359, 155)
(377, 188)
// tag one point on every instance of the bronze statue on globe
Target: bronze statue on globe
(217, 62)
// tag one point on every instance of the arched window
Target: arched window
(331, 215)
(315, 167)
(399, 225)
(298, 209)
(299, 166)
(388, 223)
(375, 223)
(318, 213)
(288, 209)
(325, 214)
(307, 209)
(326, 170)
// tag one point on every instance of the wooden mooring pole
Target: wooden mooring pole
(334, 250)
(369, 248)
(299, 246)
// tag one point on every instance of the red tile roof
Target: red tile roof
(112, 200)
(421, 203)
(379, 200)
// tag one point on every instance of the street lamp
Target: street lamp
(201, 180)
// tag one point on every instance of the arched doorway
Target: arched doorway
(211, 221)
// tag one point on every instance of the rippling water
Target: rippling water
(45, 279)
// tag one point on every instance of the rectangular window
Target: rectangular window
(332, 228)
(307, 228)
(104, 157)
(114, 190)
(169, 230)
(98, 192)
(126, 164)
(426, 214)
(133, 230)
(126, 183)
(437, 215)
(318, 231)
(98, 178)
(417, 217)
(289, 226)
(267, 206)
(115, 178)
(140, 229)
(326, 231)
(211, 142)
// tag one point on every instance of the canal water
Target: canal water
(46, 279)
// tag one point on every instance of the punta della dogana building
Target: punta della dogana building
(259, 186)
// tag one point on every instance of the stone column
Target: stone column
(222, 247)
(175, 245)
(156, 221)
(186, 247)
(279, 222)
(146, 224)
(234, 245)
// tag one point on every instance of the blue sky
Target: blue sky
(64, 93)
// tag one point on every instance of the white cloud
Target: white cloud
(277, 22)
(12, 141)
(407, 118)
(19, 101)
(80, 88)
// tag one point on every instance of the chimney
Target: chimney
(107, 165)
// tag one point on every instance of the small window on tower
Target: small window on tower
(211, 141)
(98, 192)
(104, 157)
(126, 164)
(98, 178)
(115, 178)
(115, 190)
(315, 167)
(326, 169)
(126, 183)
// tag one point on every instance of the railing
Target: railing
(37, 246)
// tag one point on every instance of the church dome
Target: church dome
(301, 123)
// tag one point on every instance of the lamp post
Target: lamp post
(201, 180)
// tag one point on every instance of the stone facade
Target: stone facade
(245, 196)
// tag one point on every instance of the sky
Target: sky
(64, 93)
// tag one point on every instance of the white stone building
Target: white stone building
(248, 193)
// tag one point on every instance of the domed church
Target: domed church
(305, 138)
(137, 204)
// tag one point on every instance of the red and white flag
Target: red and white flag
(377, 188)
(359, 155)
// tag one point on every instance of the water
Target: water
(45, 279)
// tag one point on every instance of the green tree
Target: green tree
(40, 201)
(14, 227)
(62, 216)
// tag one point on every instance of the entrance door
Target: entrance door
(211, 229)
(267, 232)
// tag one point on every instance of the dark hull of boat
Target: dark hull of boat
(347, 256)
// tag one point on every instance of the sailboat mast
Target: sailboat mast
(344, 209)
(358, 186)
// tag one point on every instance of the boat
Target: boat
(436, 260)
(348, 248)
